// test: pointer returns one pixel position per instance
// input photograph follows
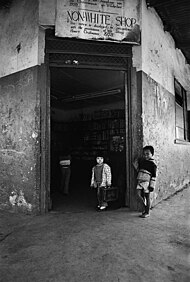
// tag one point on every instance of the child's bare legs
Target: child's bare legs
(147, 206)
(144, 198)
(140, 195)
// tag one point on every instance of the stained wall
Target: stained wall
(22, 40)
(173, 159)
(156, 61)
(20, 141)
(22, 48)
(47, 12)
(159, 62)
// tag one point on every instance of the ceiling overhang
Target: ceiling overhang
(5, 4)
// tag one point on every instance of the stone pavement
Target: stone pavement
(90, 246)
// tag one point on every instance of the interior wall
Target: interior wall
(83, 154)
(60, 117)
(20, 141)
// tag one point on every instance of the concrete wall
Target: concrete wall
(19, 141)
(173, 160)
(160, 59)
(157, 55)
(159, 62)
(21, 41)
(47, 12)
(156, 61)
(22, 44)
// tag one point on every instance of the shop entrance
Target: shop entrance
(88, 90)
(87, 119)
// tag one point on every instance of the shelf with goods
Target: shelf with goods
(96, 118)
(104, 114)
(90, 135)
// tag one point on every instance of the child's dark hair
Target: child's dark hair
(150, 148)
(100, 155)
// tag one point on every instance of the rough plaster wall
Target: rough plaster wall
(47, 12)
(160, 63)
(41, 46)
(160, 60)
(173, 160)
(19, 141)
(19, 36)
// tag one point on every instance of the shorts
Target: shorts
(143, 186)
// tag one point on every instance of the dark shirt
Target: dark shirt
(148, 165)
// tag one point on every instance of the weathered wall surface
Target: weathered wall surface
(47, 12)
(157, 55)
(173, 160)
(19, 36)
(19, 141)
(160, 62)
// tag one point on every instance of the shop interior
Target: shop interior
(87, 117)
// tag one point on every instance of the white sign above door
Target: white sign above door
(109, 20)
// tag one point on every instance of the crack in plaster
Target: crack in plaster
(3, 237)
(13, 151)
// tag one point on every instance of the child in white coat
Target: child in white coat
(101, 178)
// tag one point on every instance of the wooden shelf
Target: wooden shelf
(88, 136)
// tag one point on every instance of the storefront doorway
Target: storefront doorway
(88, 115)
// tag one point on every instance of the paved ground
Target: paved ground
(84, 245)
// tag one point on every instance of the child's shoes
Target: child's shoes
(145, 215)
(102, 208)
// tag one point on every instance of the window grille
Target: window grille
(89, 53)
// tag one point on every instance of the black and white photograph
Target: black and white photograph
(94, 140)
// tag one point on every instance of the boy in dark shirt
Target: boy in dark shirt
(146, 178)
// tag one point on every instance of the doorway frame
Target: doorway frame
(46, 136)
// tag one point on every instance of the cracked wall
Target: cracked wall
(157, 55)
(21, 40)
(159, 62)
(20, 141)
(173, 160)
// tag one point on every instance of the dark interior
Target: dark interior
(87, 115)
(73, 88)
